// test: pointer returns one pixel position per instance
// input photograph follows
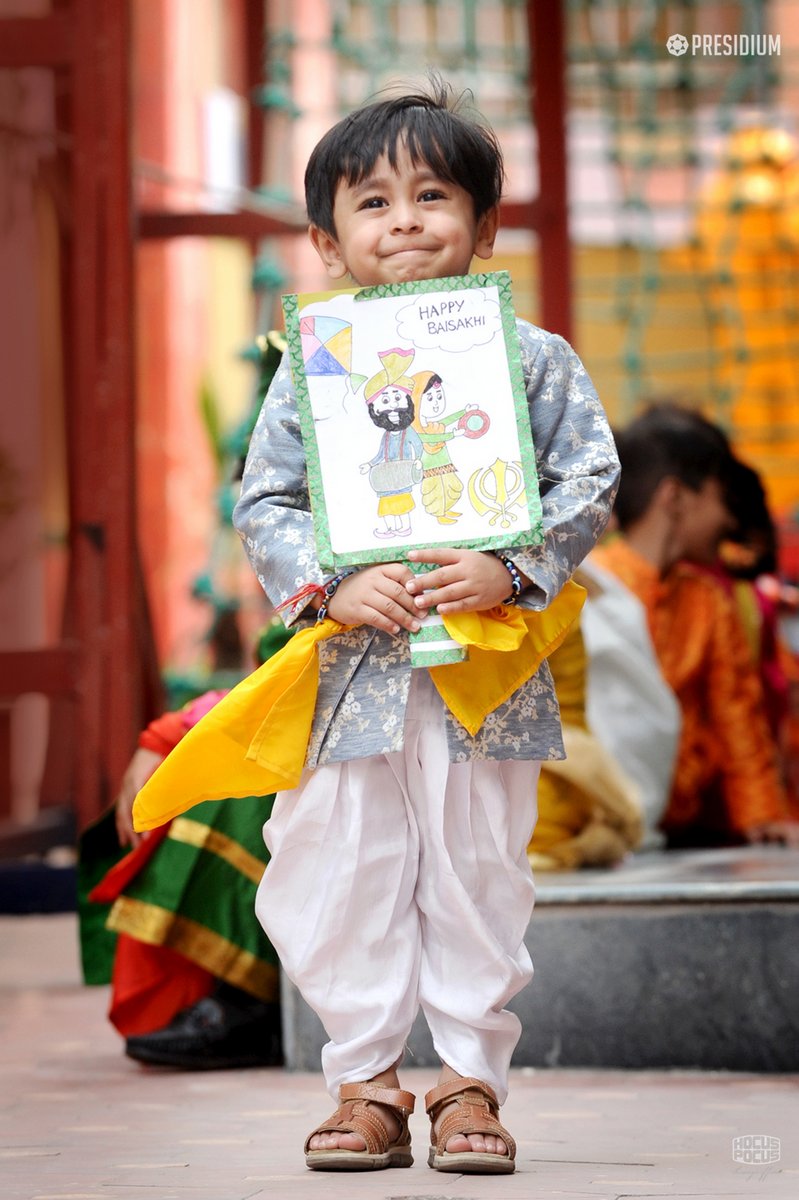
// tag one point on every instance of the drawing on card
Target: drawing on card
(413, 408)
(496, 490)
(327, 355)
(396, 468)
(437, 428)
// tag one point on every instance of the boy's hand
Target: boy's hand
(464, 581)
(376, 596)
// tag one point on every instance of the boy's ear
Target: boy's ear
(487, 228)
(328, 250)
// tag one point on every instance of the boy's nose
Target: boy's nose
(406, 218)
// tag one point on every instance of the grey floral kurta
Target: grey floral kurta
(364, 674)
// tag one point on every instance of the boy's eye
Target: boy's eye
(373, 202)
(432, 194)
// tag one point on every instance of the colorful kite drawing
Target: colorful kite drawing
(327, 354)
(326, 345)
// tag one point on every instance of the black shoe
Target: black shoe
(213, 1034)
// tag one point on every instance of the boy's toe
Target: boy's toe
(336, 1141)
(459, 1144)
(494, 1145)
(477, 1142)
(349, 1141)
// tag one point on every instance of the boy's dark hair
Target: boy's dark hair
(667, 441)
(436, 131)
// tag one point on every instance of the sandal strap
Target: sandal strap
(353, 1115)
(476, 1113)
(393, 1097)
(454, 1087)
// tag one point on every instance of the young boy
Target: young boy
(398, 874)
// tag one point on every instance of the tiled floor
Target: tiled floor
(81, 1122)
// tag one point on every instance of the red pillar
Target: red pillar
(546, 21)
(102, 415)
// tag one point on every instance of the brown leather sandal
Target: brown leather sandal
(476, 1113)
(354, 1115)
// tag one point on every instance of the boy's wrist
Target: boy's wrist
(518, 581)
(328, 591)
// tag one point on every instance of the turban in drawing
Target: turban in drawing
(395, 363)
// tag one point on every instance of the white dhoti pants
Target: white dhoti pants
(402, 881)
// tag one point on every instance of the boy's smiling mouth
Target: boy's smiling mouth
(408, 250)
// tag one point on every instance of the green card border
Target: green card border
(328, 559)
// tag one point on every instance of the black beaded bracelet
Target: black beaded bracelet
(329, 591)
(516, 584)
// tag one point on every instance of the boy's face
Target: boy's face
(401, 225)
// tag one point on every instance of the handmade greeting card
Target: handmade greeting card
(414, 416)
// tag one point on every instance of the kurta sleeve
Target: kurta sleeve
(578, 468)
(273, 513)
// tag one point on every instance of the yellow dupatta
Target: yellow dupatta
(254, 741)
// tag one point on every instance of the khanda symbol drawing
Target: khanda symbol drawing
(496, 490)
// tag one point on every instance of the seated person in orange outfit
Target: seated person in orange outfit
(673, 507)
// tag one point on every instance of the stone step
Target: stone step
(673, 959)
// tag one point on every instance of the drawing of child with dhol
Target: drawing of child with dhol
(396, 467)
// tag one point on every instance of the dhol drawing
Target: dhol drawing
(414, 414)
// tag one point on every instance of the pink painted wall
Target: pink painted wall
(182, 49)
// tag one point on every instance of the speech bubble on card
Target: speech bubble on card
(451, 321)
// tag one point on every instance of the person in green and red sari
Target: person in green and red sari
(171, 924)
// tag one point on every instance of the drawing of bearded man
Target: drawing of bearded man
(396, 467)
